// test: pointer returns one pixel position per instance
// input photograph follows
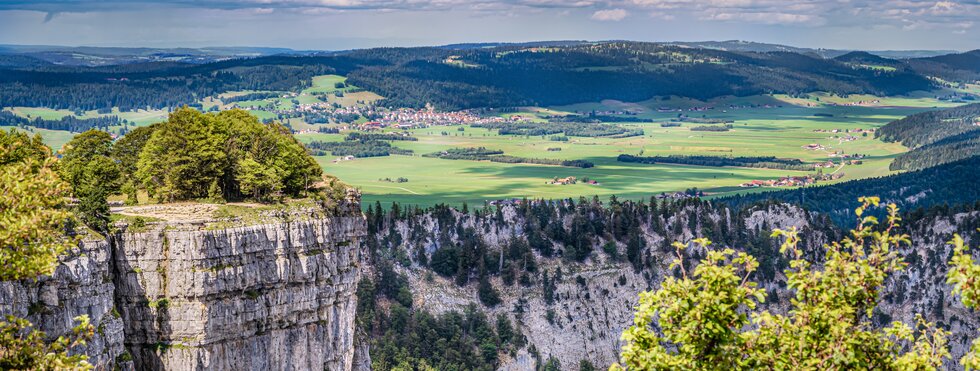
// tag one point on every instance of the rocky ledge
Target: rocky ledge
(277, 294)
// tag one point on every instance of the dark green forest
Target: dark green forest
(484, 154)
(947, 184)
(67, 123)
(768, 162)
(501, 76)
(935, 137)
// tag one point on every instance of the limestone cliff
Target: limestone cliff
(81, 285)
(592, 301)
(272, 294)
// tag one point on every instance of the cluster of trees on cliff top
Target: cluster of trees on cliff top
(936, 137)
(226, 155)
(502, 76)
(192, 156)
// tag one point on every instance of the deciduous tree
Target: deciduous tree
(708, 318)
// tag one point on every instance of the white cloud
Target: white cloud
(922, 20)
(610, 14)
(766, 18)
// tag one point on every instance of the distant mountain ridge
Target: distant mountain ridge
(103, 56)
(461, 76)
(750, 46)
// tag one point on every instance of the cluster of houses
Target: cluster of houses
(674, 196)
(845, 131)
(407, 118)
(572, 180)
(857, 103)
(846, 156)
(607, 113)
(564, 181)
(732, 107)
(814, 147)
(792, 181)
(343, 158)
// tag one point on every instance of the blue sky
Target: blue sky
(344, 24)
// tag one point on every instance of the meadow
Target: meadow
(780, 129)
(767, 125)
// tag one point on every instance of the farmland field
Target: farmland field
(766, 125)
(778, 130)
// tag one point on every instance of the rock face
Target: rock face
(266, 297)
(179, 296)
(593, 301)
(81, 285)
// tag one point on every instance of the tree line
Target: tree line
(951, 183)
(67, 123)
(768, 162)
(936, 137)
(573, 129)
(484, 154)
(356, 148)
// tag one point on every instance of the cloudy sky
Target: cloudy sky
(344, 24)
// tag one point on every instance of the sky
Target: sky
(349, 24)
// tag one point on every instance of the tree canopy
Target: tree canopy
(33, 208)
(224, 155)
(707, 318)
(33, 213)
(86, 164)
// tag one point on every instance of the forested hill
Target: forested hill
(160, 84)
(961, 67)
(935, 137)
(452, 78)
(629, 71)
(866, 58)
(948, 184)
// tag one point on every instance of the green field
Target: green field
(54, 138)
(776, 125)
(775, 131)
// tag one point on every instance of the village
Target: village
(793, 181)
(376, 118)
(730, 107)
(572, 180)
(407, 118)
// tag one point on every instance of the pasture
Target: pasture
(766, 125)
(779, 131)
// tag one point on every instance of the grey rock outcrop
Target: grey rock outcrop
(265, 297)
(182, 296)
(594, 300)
(80, 285)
